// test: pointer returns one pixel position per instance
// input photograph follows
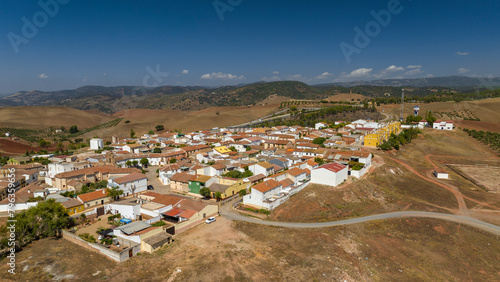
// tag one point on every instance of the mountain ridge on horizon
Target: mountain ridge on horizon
(116, 98)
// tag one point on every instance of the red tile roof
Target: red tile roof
(334, 167)
(131, 177)
(266, 185)
(99, 194)
(183, 177)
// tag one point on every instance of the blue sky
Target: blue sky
(164, 42)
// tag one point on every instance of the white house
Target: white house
(168, 171)
(320, 125)
(128, 208)
(331, 174)
(262, 192)
(262, 168)
(440, 174)
(96, 144)
(130, 184)
(443, 125)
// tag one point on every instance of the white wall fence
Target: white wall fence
(116, 256)
(154, 219)
(273, 205)
(359, 173)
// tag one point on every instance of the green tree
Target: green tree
(43, 143)
(205, 192)
(173, 161)
(46, 219)
(151, 132)
(128, 163)
(132, 133)
(114, 193)
(159, 127)
(232, 148)
(157, 150)
(135, 163)
(73, 129)
(144, 162)
(430, 118)
(319, 160)
(242, 192)
(319, 140)
(218, 195)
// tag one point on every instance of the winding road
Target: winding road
(400, 214)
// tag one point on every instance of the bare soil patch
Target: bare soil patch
(486, 176)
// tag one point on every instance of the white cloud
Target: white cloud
(394, 68)
(273, 78)
(462, 53)
(414, 67)
(220, 75)
(104, 74)
(185, 71)
(42, 75)
(84, 79)
(463, 70)
(324, 75)
(388, 70)
(276, 72)
(361, 72)
(429, 75)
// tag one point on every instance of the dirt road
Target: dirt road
(449, 217)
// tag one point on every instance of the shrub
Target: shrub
(87, 237)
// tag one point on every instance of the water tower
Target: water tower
(416, 110)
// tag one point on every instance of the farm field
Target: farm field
(487, 176)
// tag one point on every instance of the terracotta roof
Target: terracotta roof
(334, 167)
(219, 166)
(202, 178)
(266, 185)
(183, 177)
(99, 194)
(170, 167)
(131, 177)
(296, 171)
(266, 165)
(256, 177)
(311, 162)
(188, 213)
(286, 182)
(216, 187)
(166, 200)
(71, 203)
(22, 195)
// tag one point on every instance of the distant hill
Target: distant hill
(118, 98)
(457, 82)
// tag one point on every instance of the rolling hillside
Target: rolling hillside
(119, 98)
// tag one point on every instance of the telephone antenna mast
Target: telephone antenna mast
(402, 104)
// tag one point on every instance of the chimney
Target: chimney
(29, 191)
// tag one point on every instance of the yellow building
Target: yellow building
(383, 134)
(73, 206)
(222, 150)
(228, 187)
(372, 140)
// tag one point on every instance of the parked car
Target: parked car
(150, 187)
(210, 220)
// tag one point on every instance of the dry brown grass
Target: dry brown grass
(44, 117)
(346, 97)
(388, 250)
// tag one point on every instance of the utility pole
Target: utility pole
(402, 104)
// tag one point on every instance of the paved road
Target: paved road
(401, 214)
